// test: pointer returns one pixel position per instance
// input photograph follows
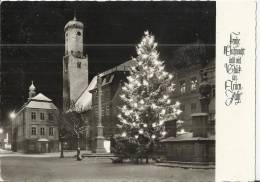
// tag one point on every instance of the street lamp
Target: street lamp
(12, 115)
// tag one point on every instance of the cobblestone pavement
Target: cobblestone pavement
(51, 169)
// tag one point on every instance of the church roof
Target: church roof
(84, 101)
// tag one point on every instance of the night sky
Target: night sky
(32, 39)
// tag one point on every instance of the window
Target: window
(194, 83)
(193, 107)
(33, 130)
(213, 92)
(51, 116)
(42, 131)
(42, 116)
(78, 33)
(51, 131)
(183, 86)
(182, 107)
(33, 116)
(78, 64)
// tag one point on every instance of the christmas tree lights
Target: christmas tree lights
(146, 94)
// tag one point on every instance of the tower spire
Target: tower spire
(75, 18)
(32, 90)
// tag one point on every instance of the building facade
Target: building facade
(35, 126)
(187, 92)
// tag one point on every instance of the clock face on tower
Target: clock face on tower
(78, 33)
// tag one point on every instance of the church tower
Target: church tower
(75, 63)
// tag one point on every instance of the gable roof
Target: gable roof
(39, 101)
(84, 102)
(41, 97)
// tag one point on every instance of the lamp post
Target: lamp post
(1, 138)
(12, 116)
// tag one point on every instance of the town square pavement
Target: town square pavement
(36, 168)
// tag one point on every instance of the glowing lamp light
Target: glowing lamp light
(136, 136)
(142, 101)
(178, 112)
(145, 125)
(165, 96)
(154, 125)
(124, 134)
(153, 106)
(141, 131)
(134, 124)
(12, 115)
(153, 136)
(168, 101)
(163, 111)
(178, 104)
(164, 133)
(124, 121)
(1, 130)
(145, 82)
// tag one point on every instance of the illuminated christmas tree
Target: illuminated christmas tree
(146, 97)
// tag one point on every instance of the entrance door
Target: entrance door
(43, 148)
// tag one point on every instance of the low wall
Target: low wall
(190, 151)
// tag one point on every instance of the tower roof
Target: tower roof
(74, 24)
(32, 87)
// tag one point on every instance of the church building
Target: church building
(100, 99)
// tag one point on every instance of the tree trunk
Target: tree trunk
(78, 148)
